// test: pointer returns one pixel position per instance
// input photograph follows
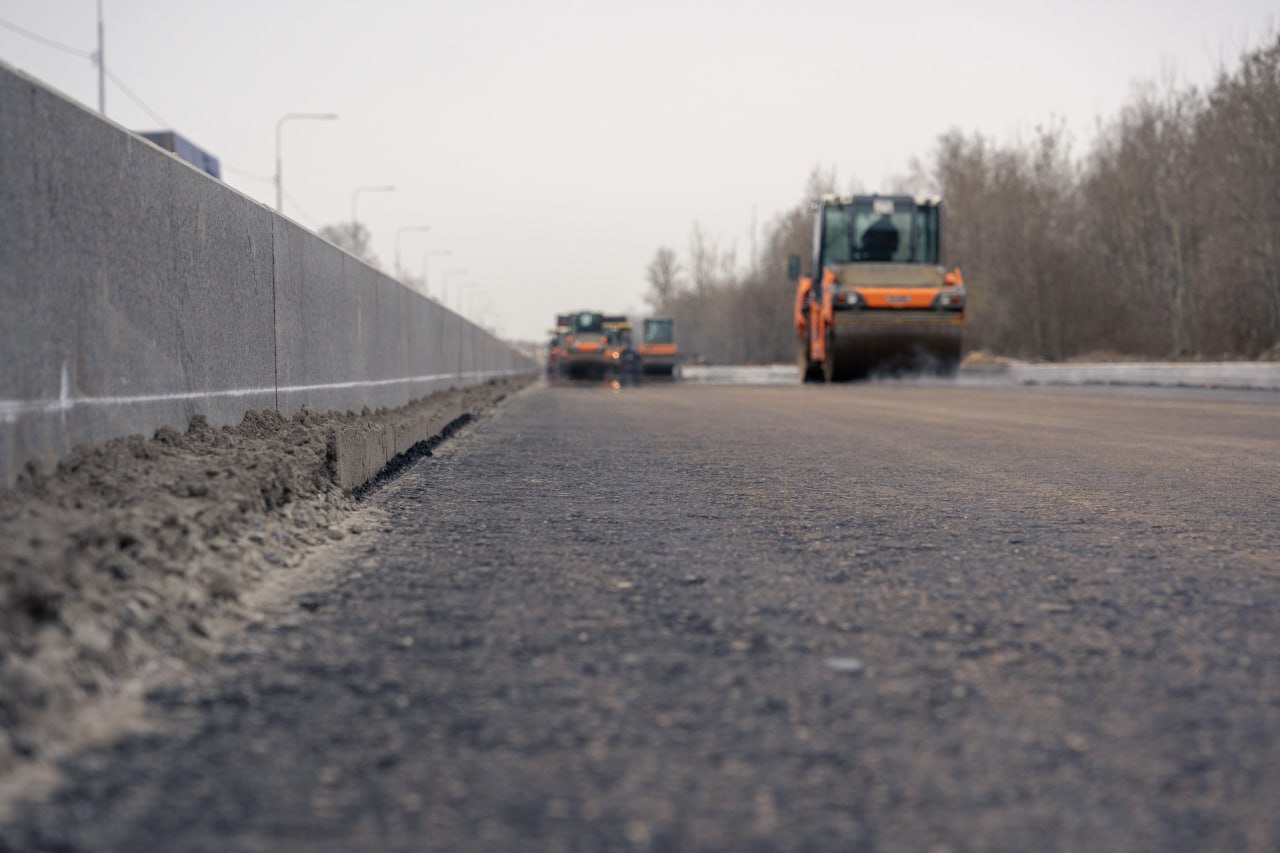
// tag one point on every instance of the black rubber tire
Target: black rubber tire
(831, 367)
(810, 371)
(949, 361)
(844, 364)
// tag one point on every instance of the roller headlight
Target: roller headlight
(951, 299)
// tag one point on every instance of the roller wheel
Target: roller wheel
(844, 364)
(832, 366)
(949, 361)
(810, 371)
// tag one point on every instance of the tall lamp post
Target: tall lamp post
(444, 288)
(355, 195)
(426, 267)
(279, 169)
(398, 233)
(478, 305)
(462, 291)
(101, 59)
(404, 230)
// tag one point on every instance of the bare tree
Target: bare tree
(1161, 240)
(664, 277)
(704, 260)
(821, 180)
(355, 238)
(1241, 191)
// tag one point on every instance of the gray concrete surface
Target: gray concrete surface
(1261, 376)
(1227, 375)
(679, 617)
(137, 292)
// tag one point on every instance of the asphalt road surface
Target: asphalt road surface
(680, 617)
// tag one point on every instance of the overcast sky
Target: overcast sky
(553, 145)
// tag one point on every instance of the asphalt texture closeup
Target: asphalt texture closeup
(675, 617)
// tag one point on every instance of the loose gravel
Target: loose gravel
(138, 553)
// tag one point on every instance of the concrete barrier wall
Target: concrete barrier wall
(136, 292)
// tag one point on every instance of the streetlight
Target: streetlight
(444, 288)
(402, 231)
(354, 196)
(101, 59)
(463, 290)
(279, 169)
(478, 305)
(426, 266)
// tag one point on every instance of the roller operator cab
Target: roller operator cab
(657, 349)
(875, 299)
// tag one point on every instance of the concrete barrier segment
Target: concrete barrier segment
(136, 292)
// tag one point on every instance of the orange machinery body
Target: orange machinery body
(885, 312)
(584, 348)
(882, 303)
(585, 351)
(658, 351)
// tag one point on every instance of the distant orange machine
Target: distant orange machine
(555, 347)
(657, 349)
(584, 350)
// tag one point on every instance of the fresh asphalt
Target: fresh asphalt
(697, 617)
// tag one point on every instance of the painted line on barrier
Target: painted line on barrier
(11, 410)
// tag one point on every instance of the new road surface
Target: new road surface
(713, 617)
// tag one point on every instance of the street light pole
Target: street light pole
(102, 65)
(444, 288)
(486, 317)
(356, 195)
(279, 168)
(399, 273)
(426, 267)
(477, 302)
(463, 290)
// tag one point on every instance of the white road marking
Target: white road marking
(12, 410)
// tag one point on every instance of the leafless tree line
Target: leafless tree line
(1162, 240)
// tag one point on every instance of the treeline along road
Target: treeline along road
(1154, 239)
(681, 617)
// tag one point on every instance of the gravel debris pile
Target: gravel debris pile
(142, 551)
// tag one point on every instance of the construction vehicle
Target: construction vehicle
(875, 299)
(584, 353)
(657, 349)
(555, 347)
(619, 347)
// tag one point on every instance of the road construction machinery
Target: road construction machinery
(556, 345)
(657, 348)
(584, 350)
(875, 300)
(620, 347)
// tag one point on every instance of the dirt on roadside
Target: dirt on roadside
(140, 552)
